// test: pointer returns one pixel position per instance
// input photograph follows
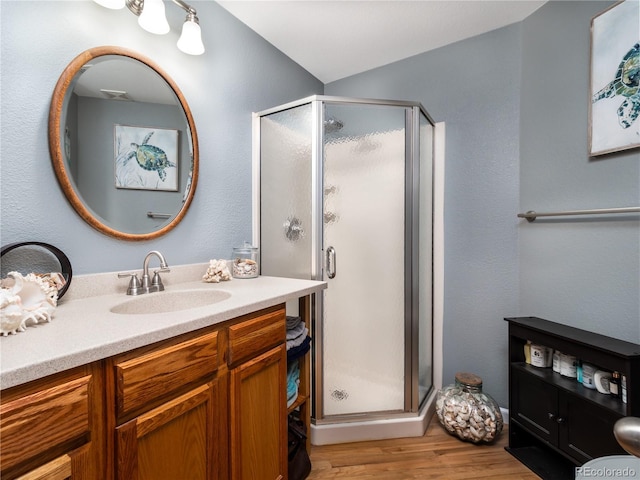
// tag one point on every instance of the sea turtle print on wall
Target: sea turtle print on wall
(150, 157)
(627, 84)
(146, 158)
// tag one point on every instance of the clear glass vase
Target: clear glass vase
(464, 410)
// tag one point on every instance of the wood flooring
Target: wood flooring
(436, 455)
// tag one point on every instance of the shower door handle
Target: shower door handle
(331, 262)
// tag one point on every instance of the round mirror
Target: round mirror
(123, 144)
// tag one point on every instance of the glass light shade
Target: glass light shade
(153, 18)
(191, 39)
(112, 4)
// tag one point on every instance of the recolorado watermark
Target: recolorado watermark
(612, 467)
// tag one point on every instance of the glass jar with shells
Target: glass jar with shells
(466, 411)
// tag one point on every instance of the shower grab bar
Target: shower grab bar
(158, 215)
(531, 215)
(331, 261)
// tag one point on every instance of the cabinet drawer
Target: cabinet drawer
(35, 423)
(148, 377)
(252, 337)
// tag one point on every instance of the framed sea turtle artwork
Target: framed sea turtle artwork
(614, 105)
(146, 158)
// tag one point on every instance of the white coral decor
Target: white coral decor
(25, 300)
(217, 271)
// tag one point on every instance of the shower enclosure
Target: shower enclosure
(343, 192)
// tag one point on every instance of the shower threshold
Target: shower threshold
(394, 426)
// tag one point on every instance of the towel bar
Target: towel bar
(531, 215)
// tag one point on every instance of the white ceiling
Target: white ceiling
(334, 39)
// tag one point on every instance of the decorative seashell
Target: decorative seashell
(33, 292)
(54, 279)
(217, 271)
(10, 312)
(25, 300)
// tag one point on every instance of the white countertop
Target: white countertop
(83, 329)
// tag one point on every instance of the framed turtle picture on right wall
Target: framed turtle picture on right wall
(614, 105)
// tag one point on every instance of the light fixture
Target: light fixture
(152, 18)
(111, 4)
(191, 39)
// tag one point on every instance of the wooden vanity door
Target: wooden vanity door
(175, 440)
(259, 417)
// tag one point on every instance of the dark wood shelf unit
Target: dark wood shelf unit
(555, 422)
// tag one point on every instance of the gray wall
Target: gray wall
(239, 73)
(577, 272)
(515, 105)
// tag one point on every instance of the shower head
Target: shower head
(332, 124)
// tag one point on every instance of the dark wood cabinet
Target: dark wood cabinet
(556, 423)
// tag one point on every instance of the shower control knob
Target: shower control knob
(293, 229)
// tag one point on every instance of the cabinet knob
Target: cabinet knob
(553, 416)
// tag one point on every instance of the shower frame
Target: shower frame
(413, 110)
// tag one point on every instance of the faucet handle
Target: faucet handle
(135, 287)
(156, 282)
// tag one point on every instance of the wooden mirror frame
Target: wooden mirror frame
(56, 148)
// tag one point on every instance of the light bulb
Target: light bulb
(112, 4)
(153, 18)
(191, 39)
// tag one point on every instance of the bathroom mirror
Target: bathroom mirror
(123, 144)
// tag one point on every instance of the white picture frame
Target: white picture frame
(146, 158)
(614, 100)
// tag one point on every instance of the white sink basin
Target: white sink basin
(170, 301)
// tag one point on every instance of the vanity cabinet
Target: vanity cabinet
(166, 410)
(52, 428)
(257, 362)
(557, 424)
(207, 405)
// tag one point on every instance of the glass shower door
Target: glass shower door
(285, 193)
(363, 340)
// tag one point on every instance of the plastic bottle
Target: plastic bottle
(614, 384)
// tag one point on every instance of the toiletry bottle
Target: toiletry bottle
(623, 386)
(579, 371)
(614, 384)
(588, 372)
(556, 361)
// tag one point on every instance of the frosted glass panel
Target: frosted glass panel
(285, 200)
(364, 215)
(425, 296)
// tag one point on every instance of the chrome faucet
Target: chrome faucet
(147, 285)
(155, 285)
